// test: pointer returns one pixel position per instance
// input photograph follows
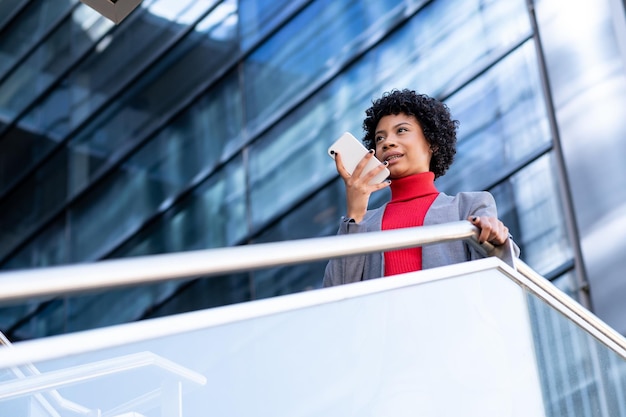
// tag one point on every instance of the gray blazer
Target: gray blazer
(444, 209)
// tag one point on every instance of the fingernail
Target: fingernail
(474, 218)
(385, 163)
(371, 151)
(388, 181)
(332, 152)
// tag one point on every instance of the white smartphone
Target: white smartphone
(352, 151)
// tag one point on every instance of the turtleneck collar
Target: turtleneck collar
(413, 186)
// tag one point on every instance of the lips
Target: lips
(392, 157)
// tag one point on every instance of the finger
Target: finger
(382, 185)
(341, 170)
(484, 228)
(374, 172)
(358, 171)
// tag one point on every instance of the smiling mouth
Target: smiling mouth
(392, 157)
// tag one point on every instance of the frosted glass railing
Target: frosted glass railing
(480, 338)
(472, 339)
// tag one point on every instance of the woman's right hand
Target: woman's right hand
(358, 187)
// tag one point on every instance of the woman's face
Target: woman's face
(400, 141)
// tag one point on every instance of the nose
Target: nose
(389, 142)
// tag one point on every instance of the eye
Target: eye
(402, 129)
(378, 139)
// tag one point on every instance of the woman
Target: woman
(415, 138)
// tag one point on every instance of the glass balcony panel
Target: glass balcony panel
(397, 346)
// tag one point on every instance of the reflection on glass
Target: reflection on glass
(35, 202)
(213, 217)
(292, 155)
(260, 18)
(529, 204)
(7, 10)
(567, 284)
(147, 385)
(579, 376)
(291, 159)
(449, 42)
(197, 140)
(493, 346)
(206, 292)
(49, 248)
(67, 43)
(32, 23)
(116, 129)
(89, 85)
(318, 216)
(503, 122)
(315, 43)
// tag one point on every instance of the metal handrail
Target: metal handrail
(31, 283)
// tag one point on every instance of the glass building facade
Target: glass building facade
(199, 124)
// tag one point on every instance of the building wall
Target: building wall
(584, 45)
(202, 124)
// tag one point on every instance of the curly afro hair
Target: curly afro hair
(433, 116)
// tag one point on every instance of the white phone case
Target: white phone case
(352, 151)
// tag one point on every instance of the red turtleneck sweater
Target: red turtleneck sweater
(411, 198)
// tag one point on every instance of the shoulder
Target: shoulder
(475, 197)
(466, 203)
(464, 198)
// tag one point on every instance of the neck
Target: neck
(413, 186)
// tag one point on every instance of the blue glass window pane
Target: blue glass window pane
(152, 32)
(68, 42)
(47, 249)
(292, 155)
(206, 134)
(529, 204)
(117, 129)
(135, 44)
(33, 203)
(193, 144)
(28, 28)
(8, 8)
(206, 293)
(291, 159)
(448, 42)
(20, 148)
(309, 48)
(200, 221)
(260, 18)
(318, 216)
(215, 215)
(503, 122)
(85, 89)
(567, 284)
